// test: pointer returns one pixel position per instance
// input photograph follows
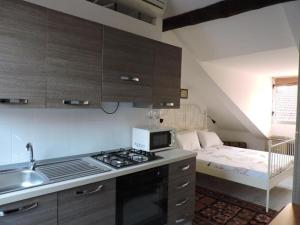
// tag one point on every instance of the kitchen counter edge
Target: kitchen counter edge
(170, 156)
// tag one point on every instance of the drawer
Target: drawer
(179, 201)
(181, 219)
(182, 205)
(91, 204)
(35, 211)
(182, 184)
(182, 168)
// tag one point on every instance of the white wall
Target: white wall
(89, 11)
(204, 91)
(201, 87)
(252, 141)
(255, 31)
(252, 93)
(283, 130)
(61, 132)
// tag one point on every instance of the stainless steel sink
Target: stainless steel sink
(20, 179)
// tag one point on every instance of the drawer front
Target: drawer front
(181, 219)
(92, 204)
(36, 211)
(182, 185)
(183, 202)
(182, 168)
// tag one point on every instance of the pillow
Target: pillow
(209, 139)
(188, 140)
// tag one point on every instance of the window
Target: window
(285, 100)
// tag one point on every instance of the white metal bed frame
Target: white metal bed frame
(280, 156)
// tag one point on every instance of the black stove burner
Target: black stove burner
(125, 157)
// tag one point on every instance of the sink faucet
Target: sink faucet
(29, 148)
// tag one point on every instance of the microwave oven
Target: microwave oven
(153, 139)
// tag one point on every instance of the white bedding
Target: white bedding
(238, 160)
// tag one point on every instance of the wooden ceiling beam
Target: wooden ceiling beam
(222, 9)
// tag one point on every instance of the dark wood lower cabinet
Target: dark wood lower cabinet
(93, 204)
(181, 196)
(36, 211)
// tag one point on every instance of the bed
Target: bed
(260, 169)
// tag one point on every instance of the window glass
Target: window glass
(285, 104)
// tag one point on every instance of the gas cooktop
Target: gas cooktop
(125, 157)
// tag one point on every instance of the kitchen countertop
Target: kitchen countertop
(169, 156)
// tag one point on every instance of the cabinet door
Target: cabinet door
(36, 211)
(167, 76)
(128, 62)
(73, 61)
(22, 54)
(92, 204)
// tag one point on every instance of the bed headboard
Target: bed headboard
(188, 117)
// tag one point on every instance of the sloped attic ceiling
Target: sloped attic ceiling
(263, 41)
(256, 31)
(274, 63)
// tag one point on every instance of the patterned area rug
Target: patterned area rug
(213, 208)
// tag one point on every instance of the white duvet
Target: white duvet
(244, 161)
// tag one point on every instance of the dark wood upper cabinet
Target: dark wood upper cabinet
(167, 76)
(23, 32)
(128, 62)
(92, 204)
(73, 63)
(35, 211)
(55, 60)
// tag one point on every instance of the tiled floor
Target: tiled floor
(279, 196)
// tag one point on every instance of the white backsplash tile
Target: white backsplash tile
(5, 144)
(64, 132)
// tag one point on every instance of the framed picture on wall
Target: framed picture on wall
(184, 93)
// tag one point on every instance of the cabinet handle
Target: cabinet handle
(14, 101)
(168, 104)
(185, 168)
(183, 185)
(182, 203)
(180, 220)
(86, 192)
(76, 102)
(128, 78)
(19, 210)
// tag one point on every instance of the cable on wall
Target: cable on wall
(113, 112)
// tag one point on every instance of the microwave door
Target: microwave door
(159, 140)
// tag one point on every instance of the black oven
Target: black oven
(142, 198)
